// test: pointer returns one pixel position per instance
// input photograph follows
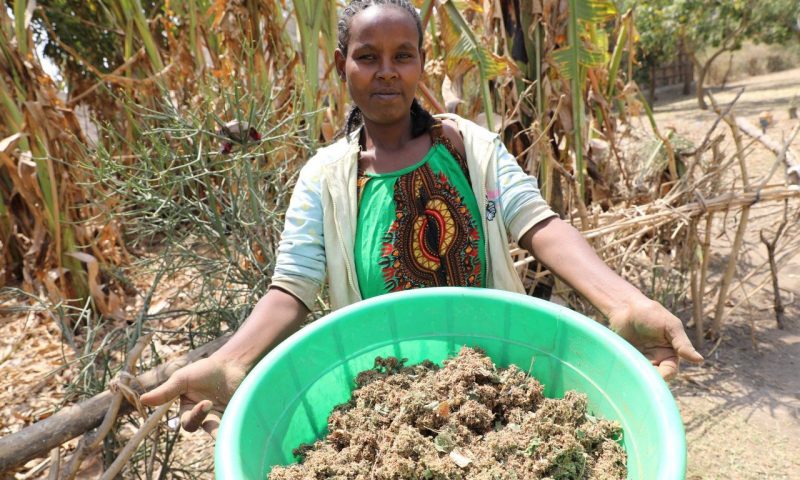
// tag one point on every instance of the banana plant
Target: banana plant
(574, 59)
(468, 47)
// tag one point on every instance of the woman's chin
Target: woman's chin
(387, 116)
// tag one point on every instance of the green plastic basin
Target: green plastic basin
(286, 399)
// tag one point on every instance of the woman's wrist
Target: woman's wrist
(233, 358)
(626, 310)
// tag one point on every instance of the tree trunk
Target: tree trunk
(687, 79)
(702, 71)
(700, 89)
(687, 70)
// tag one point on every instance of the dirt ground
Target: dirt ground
(741, 409)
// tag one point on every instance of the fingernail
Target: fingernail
(173, 423)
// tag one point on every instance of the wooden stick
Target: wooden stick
(742, 227)
(790, 159)
(773, 267)
(35, 471)
(701, 288)
(128, 63)
(576, 191)
(694, 285)
(730, 269)
(55, 463)
(91, 441)
(650, 221)
(116, 467)
(737, 243)
(39, 438)
(430, 97)
(707, 142)
(149, 466)
(719, 203)
(737, 140)
(716, 346)
(785, 257)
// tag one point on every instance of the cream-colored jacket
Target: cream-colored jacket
(320, 228)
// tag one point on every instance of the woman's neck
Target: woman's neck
(387, 137)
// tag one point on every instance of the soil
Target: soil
(466, 420)
(741, 408)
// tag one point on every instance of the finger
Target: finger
(211, 423)
(682, 345)
(173, 387)
(192, 419)
(668, 368)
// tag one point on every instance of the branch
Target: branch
(91, 441)
(39, 438)
(127, 452)
(782, 151)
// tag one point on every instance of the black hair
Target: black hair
(421, 119)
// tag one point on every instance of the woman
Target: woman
(405, 200)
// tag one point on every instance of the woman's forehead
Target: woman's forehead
(382, 23)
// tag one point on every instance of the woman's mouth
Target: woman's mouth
(386, 95)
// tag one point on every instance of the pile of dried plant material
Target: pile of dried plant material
(465, 420)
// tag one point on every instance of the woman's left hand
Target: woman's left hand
(646, 324)
(655, 332)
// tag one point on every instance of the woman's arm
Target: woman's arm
(275, 317)
(205, 387)
(646, 324)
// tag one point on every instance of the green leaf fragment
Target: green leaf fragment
(444, 442)
(532, 447)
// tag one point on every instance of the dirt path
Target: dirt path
(741, 408)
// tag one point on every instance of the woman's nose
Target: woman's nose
(387, 71)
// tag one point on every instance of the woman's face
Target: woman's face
(383, 63)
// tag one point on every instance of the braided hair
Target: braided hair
(421, 119)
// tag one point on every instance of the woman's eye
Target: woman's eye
(367, 56)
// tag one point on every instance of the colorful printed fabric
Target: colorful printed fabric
(419, 226)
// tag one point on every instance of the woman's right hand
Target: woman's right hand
(205, 387)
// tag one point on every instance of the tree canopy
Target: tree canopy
(704, 29)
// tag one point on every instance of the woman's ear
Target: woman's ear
(422, 59)
(339, 59)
